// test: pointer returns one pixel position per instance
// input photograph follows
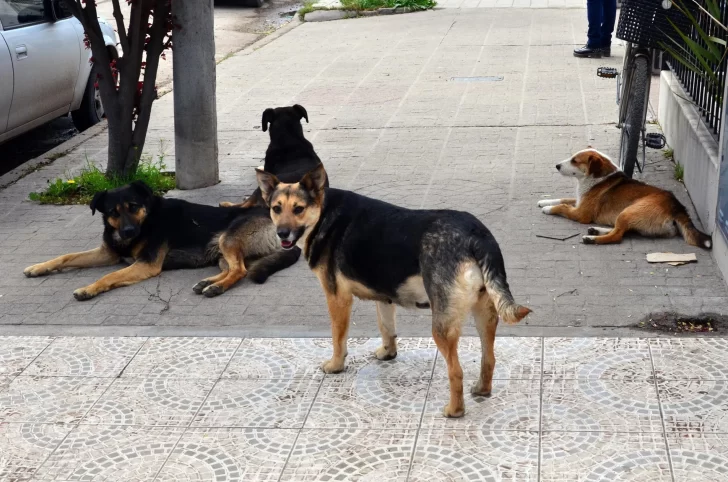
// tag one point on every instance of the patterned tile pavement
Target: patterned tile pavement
(231, 409)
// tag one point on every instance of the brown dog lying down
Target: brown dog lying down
(606, 196)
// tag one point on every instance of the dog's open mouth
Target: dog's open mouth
(286, 244)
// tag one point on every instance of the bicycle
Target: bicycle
(642, 24)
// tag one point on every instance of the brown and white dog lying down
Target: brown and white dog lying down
(604, 195)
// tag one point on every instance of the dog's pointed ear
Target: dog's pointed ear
(267, 183)
(97, 203)
(301, 111)
(315, 180)
(142, 188)
(269, 116)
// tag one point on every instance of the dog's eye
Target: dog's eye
(573, 161)
(133, 208)
(297, 210)
(277, 209)
(114, 213)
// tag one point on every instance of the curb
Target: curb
(270, 38)
(338, 14)
(58, 152)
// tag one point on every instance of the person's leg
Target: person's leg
(608, 19)
(594, 15)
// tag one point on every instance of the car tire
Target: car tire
(91, 111)
(252, 3)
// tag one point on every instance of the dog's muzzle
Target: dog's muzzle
(127, 232)
(288, 237)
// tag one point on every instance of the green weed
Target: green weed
(307, 8)
(80, 189)
(375, 4)
(679, 172)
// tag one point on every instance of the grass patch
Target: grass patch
(307, 8)
(81, 189)
(375, 4)
(668, 153)
(679, 172)
(225, 57)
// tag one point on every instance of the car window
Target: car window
(16, 13)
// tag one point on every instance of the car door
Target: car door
(45, 57)
(6, 83)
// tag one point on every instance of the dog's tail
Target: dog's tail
(261, 269)
(496, 285)
(687, 229)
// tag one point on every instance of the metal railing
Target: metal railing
(706, 95)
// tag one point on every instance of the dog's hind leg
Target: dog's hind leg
(486, 321)
(261, 269)
(446, 332)
(101, 256)
(625, 221)
(387, 327)
(254, 199)
(596, 231)
(233, 254)
(199, 287)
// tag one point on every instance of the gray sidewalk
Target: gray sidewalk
(391, 117)
(226, 409)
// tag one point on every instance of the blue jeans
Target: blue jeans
(601, 15)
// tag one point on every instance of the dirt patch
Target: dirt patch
(669, 322)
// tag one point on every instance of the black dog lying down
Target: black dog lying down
(289, 155)
(159, 234)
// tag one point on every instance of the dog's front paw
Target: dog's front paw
(333, 366)
(83, 294)
(588, 239)
(546, 202)
(36, 270)
(453, 412)
(546, 209)
(226, 204)
(385, 353)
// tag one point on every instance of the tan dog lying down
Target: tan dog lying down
(604, 195)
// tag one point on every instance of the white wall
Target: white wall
(694, 147)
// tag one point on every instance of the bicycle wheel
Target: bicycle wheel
(635, 115)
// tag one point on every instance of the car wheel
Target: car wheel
(252, 3)
(91, 111)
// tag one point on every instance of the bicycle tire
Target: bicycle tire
(635, 117)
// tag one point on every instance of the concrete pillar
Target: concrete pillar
(195, 111)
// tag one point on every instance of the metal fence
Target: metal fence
(707, 96)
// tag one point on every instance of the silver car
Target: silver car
(45, 69)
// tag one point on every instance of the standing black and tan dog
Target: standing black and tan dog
(447, 261)
(289, 155)
(604, 195)
(159, 233)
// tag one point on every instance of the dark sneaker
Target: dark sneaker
(588, 52)
(606, 51)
